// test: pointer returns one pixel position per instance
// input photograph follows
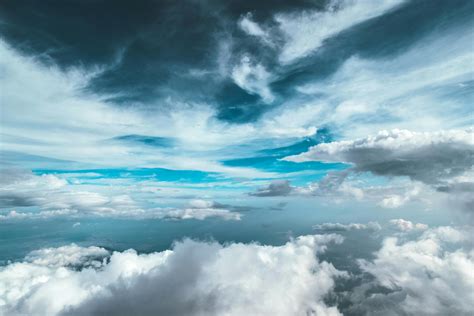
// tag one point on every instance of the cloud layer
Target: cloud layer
(425, 274)
(53, 196)
(194, 278)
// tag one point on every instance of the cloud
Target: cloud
(460, 192)
(58, 108)
(275, 188)
(253, 78)
(395, 201)
(67, 256)
(333, 184)
(55, 197)
(373, 226)
(134, 213)
(427, 157)
(420, 88)
(407, 226)
(193, 278)
(252, 28)
(439, 161)
(199, 213)
(305, 32)
(428, 276)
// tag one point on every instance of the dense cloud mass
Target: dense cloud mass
(427, 274)
(431, 275)
(427, 157)
(194, 278)
(443, 160)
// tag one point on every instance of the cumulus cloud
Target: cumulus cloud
(275, 188)
(194, 278)
(406, 226)
(428, 276)
(442, 160)
(419, 166)
(373, 226)
(67, 256)
(306, 31)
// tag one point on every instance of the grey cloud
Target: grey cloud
(276, 188)
(442, 160)
(427, 157)
(372, 226)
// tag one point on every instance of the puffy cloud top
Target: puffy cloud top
(194, 278)
(427, 276)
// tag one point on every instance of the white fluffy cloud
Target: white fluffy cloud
(397, 200)
(431, 275)
(66, 256)
(405, 225)
(194, 278)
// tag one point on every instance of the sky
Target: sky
(304, 157)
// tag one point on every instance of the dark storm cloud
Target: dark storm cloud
(156, 44)
(186, 50)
